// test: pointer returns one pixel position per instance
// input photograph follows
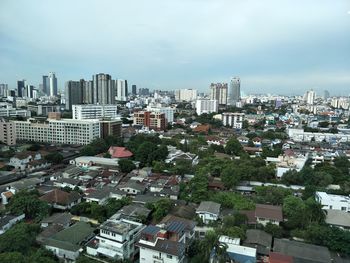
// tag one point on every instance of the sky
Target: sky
(274, 46)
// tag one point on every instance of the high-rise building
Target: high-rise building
(46, 85)
(103, 89)
(218, 91)
(3, 90)
(133, 90)
(20, 87)
(144, 92)
(326, 95)
(310, 97)
(206, 106)
(122, 89)
(185, 95)
(168, 111)
(73, 93)
(53, 84)
(233, 119)
(235, 90)
(88, 92)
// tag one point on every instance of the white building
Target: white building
(94, 111)
(7, 221)
(116, 239)
(6, 110)
(122, 90)
(233, 119)
(333, 202)
(310, 97)
(185, 95)
(208, 211)
(206, 106)
(62, 131)
(157, 246)
(299, 135)
(7, 132)
(168, 111)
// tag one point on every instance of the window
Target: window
(343, 208)
(169, 256)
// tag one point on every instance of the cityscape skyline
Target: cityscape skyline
(284, 48)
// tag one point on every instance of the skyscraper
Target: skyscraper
(310, 97)
(88, 93)
(218, 91)
(103, 89)
(133, 90)
(122, 89)
(326, 95)
(20, 87)
(3, 90)
(73, 93)
(53, 84)
(235, 90)
(46, 85)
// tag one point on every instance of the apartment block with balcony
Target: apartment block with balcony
(116, 239)
(7, 132)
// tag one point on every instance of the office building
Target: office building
(46, 85)
(218, 91)
(235, 90)
(233, 119)
(144, 92)
(57, 130)
(152, 120)
(103, 89)
(88, 92)
(122, 90)
(206, 106)
(7, 132)
(73, 93)
(116, 239)
(326, 95)
(133, 90)
(94, 111)
(185, 95)
(52, 84)
(168, 111)
(3, 90)
(43, 109)
(20, 87)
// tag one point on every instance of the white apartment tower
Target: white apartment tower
(206, 106)
(218, 91)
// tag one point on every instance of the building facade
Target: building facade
(122, 90)
(7, 132)
(185, 95)
(152, 120)
(53, 84)
(206, 106)
(233, 119)
(93, 111)
(103, 89)
(168, 111)
(61, 131)
(218, 91)
(235, 90)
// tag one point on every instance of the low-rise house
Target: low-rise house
(21, 160)
(333, 202)
(134, 212)
(61, 219)
(156, 247)
(279, 258)
(171, 221)
(62, 200)
(6, 196)
(260, 240)
(132, 187)
(116, 240)
(7, 221)
(302, 252)
(37, 165)
(67, 182)
(119, 152)
(235, 252)
(268, 214)
(68, 243)
(338, 218)
(208, 211)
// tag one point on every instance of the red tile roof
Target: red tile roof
(279, 258)
(119, 152)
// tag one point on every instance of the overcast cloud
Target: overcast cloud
(275, 46)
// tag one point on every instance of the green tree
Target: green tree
(274, 230)
(199, 186)
(230, 176)
(160, 208)
(126, 166)
(295, 211)
(54, 157)
(28, 202)
(271, 194)
(233, 147)
(12, 257)
(19, 238)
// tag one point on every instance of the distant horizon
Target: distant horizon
(273, 47)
